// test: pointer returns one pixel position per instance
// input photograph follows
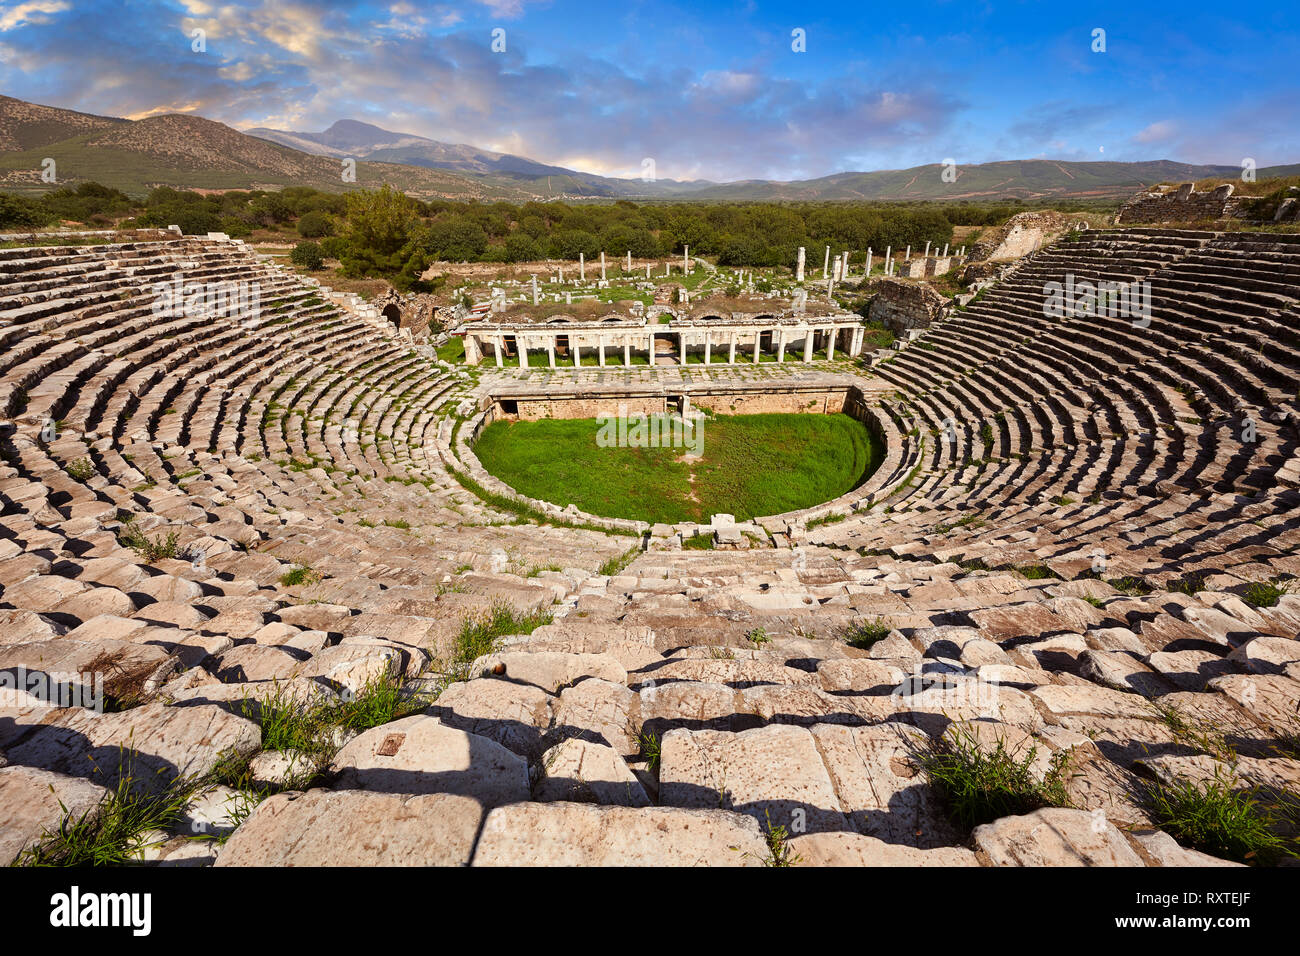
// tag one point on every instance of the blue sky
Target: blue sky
(707, 89)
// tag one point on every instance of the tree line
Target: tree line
(384, 233)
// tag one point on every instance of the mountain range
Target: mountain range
(188, 151)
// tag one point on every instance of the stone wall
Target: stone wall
(1022, 234)
(904, 305)
(1180, 204)
(825, 402)
(734, 400)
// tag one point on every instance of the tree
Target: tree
(380, 224)
(307, 255)
(315, 225)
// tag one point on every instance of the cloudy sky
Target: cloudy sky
(708, 89)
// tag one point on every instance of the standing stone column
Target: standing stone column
(627, 354)
(629, 261)
(780, 349)
(798, 270)
(686, 260)
(708, 346)
(868, 272)
(927, 249)
(534, 290)
(496, 348)
(808, 339)
(826, 265)
(582, 267)
(681, 341)
(577, 353)
(600, 350)
(758, 343)
(550, 351)
(731, 356)
(830, 343)
(908, 256)
(652, 349)
(523, 352)
(602, 265)
(647, 270)
(945, 250)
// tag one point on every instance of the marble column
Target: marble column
(731, 355)
(780, 349)
(808, 344)
(496, 348)
(600, 349)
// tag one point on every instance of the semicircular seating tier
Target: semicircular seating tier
(206, 509)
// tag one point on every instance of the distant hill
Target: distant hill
(187, 151)
(1013, 179)
(190, 152)
(498, 170)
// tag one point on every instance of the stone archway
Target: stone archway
(393, 314)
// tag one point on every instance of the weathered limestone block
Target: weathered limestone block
(855, 849)
(124, 669)
(581, 834)
(1160, 849)
(857, 675)
(154, 743)
(27, 627)
(579, 771)
(1267, 655)
(353, 667)
(516, 716)
(256, 662)
(686, 704)
(736, 674)
(1268, 698)
(552, 671)
(771, 773)
(880, 787)
(601, 712)
(356, 828)
(30, 805)
(419, 754)
(1123, 672)
(1054, 837)
(1096, 701)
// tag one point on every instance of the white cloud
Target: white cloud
(1156, 132)
(35, 11)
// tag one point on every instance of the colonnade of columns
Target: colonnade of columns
(781, 337)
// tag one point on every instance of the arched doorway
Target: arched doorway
(393, 314)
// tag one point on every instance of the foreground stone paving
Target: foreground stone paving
(209, 520)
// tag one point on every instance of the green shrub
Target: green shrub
(315, 225)
(979, 785)
(307, 255)
(1213, 817)
(864, 634)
